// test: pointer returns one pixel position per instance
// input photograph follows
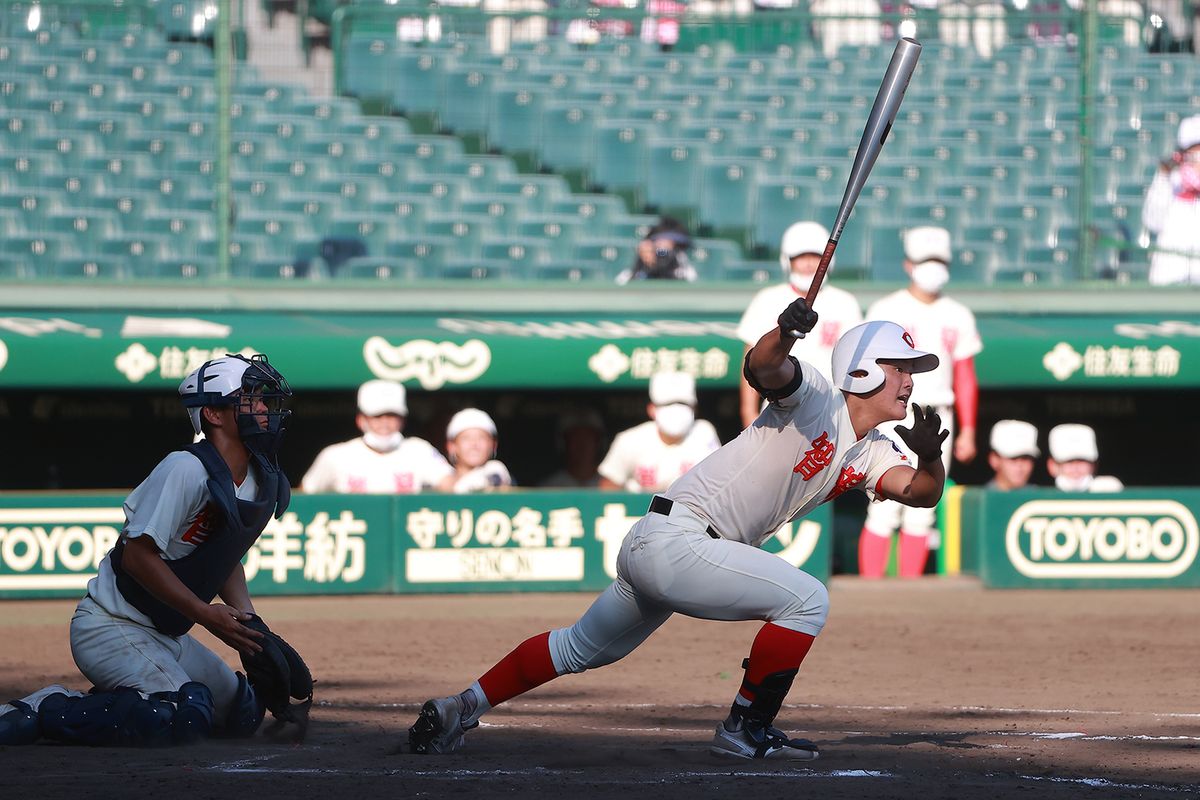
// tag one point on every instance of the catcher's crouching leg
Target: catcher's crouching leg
(124, 717)
(245, 713)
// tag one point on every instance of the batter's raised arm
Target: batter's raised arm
(923, 486)
(767, 364)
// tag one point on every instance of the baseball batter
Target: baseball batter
(946, 328)
(187, 527)
(650, 456)
(383, 460)
(800, 252)
(697, 550)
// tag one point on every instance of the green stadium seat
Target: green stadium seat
(763, 272)
(538, 192)
(571, 272)
(381, 268)
(609, 256)
(465, 234)
(673, 179)
(710, 257)
(478, 269)
(14, 268)
(782, 201)
(568, 137)
(88, 268)
(515, 126)
(465, 102)
(556, 232)
(174, 269)
(620, 161)
(887, 254)
(596, 211)
(728, 197)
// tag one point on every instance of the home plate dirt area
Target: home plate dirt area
(929, 689)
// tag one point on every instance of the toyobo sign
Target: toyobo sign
(1067, 540)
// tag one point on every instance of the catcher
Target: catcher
(187, 527)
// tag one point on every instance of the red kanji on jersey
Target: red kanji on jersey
(199, 530)
(846, 481)
(817, 457)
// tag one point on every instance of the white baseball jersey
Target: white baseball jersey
(1174, 218)
(486, 477)
(944, 327)
(354, 468)
(837, 313)
(801, 452)
(171, 506)
(640, 461)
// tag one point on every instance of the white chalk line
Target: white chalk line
(544, 772)
(998, 710)
(1104, 783)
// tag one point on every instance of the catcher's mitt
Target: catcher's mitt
(277, 673)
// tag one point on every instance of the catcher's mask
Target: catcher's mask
(253, 387)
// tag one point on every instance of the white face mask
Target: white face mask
(383, 443)
(800, 281)
(674, 420)
(930, 276)
(1069, 484)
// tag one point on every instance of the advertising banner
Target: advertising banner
(1048, 539)
(51, 545)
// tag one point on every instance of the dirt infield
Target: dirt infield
(929, 689)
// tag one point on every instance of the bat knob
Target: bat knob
(796, 334)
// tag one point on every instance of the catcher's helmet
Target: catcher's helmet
(861, 348)
(229, 380)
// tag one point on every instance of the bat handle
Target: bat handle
(818, 279)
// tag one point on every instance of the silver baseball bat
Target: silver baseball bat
(879, 123)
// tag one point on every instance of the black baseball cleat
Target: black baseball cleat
(439, 727)
(751, 742)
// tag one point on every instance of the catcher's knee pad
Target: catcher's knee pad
(246, 712)
(120, 718)
(19, 726)
(193, 713)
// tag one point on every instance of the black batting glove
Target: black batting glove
(925, 437)
(797, 319)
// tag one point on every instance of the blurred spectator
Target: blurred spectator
(799, 254)
(662, 254)
(471, 445)
(382, 460)
(650, 456)
(1072, 462)
(945, 327)
(580, 434)
(504, 30)
(1172, 210)
(845, 22)
(974, 23)
(1013, 451)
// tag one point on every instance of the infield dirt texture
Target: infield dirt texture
(933, 689)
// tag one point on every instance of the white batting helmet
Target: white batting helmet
(861, 348)
(801, 238)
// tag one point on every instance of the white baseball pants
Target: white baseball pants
(111, 652)
(671, 564)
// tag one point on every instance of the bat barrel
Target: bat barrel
(879, 124)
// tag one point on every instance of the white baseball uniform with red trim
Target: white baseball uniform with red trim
(801, 451)
(640, 461)
(354, 468)
(947, 329)
(112, 642)
(837, 312)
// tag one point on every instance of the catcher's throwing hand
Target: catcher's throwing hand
(926, 435)
(797, 319)
(224, 622)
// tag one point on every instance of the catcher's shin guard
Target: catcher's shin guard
(120, 718)
(19, 726)
(245, 713)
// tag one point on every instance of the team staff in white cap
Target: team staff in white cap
(471, 444)
(383, 460)
(1072, 462)
(697, 550)
(650, 456)
(946, 328)
(800, 252)
(1014, 449)
(1172, 210)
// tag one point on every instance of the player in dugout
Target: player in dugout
(689, 554)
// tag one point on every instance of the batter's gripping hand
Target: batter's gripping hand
(926, 435)
(797, 319)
